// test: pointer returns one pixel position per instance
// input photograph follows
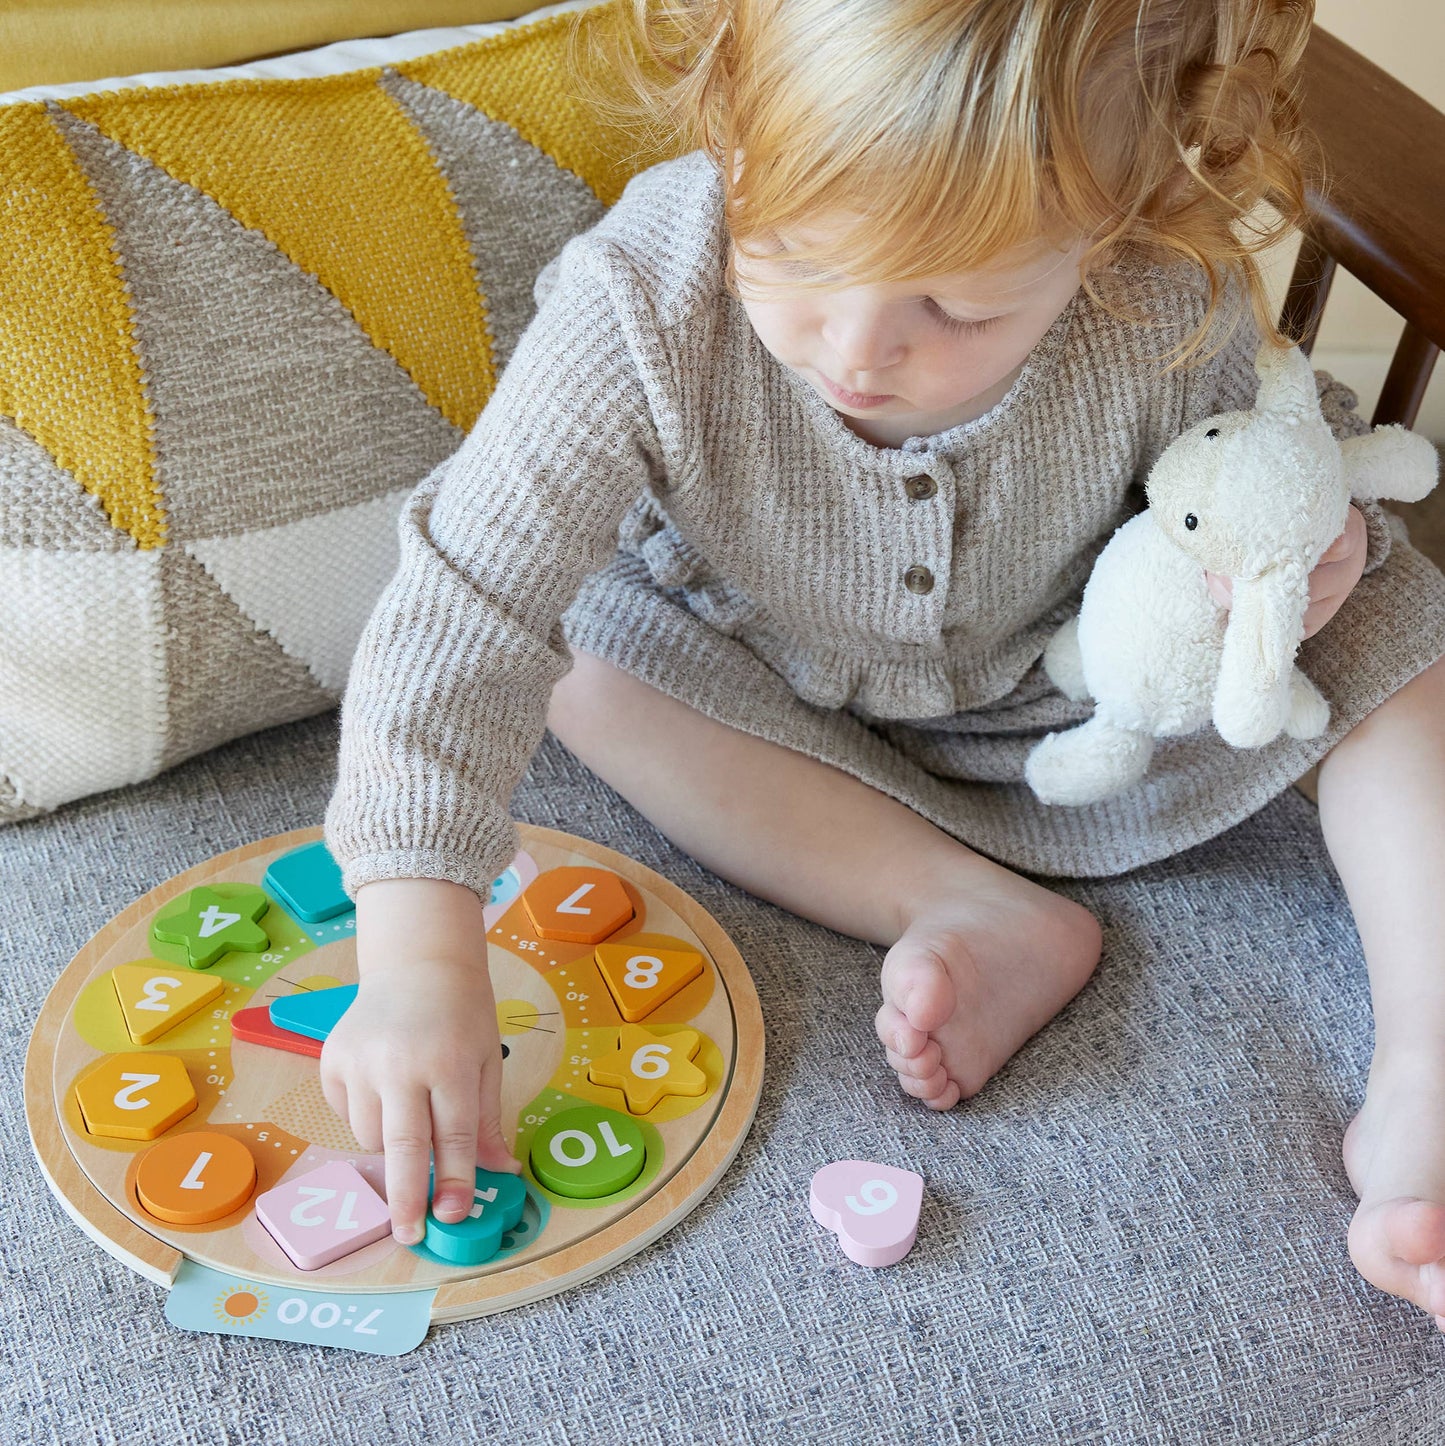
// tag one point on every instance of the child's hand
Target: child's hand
(1332, 581)
(415, 1064)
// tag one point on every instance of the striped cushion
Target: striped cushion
(239, 321)
(47, 41)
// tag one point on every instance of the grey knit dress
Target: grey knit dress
(649, 485)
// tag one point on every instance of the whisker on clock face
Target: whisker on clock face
(528, 1021)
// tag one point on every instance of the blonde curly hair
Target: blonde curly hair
(960, 130)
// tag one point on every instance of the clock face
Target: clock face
(175, 1101)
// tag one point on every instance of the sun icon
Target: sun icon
(240, 1304)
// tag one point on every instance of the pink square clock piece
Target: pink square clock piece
(322, 1215)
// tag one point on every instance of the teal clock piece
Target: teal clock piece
(308, 882)
(497, 1203)
(588, 1152)
(211, 920)
(313, 1013)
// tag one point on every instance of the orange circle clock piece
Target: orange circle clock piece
(195, 1178)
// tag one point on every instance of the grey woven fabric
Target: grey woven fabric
(1135, 1234)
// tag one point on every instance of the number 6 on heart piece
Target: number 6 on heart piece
(872, 1209)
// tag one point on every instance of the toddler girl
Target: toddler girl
(808, 451)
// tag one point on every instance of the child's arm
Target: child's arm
(449, 685)
(447, 701)
(403, 1065)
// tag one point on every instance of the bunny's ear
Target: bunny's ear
(1286, 382)
(1251, 696)
(1390, 462)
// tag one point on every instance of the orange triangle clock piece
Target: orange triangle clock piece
(640, 978)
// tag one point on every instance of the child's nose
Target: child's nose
(863, 339)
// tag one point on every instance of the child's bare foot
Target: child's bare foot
(1394, 1154)
(975, 973)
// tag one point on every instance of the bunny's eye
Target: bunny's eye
(1190, 521)
(1211, 434)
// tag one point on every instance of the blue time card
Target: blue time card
(392, 1324)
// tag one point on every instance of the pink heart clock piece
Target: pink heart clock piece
(872, 1209)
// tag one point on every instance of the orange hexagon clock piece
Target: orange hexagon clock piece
(135, 1096)
(577, 905)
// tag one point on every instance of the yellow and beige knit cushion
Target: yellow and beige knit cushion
(238, 322)
(47, 41)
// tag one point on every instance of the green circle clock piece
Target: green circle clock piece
(588, 1152)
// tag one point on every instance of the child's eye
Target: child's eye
(958, 323)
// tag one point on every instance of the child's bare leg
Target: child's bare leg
(1382, 807)
(980, 958)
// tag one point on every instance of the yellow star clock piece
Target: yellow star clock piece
(648, 1066)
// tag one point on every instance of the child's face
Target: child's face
(908, 359)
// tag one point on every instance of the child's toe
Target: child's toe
(1416, 1232)
(928, 1061)
(1398, 1245)
(929, 1088)
(897, 1034)
(915, 981)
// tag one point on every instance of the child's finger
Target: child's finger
(333, 1086)
(492, 1149)
(364, 1117)
(1321, 610)
(1351, 538)
(454, 1135)
(406, 1138)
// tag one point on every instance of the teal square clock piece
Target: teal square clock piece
(308, 882)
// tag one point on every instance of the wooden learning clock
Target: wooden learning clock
(174, 1097)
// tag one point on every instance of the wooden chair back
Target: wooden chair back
(1380, 213)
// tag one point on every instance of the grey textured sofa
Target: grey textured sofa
(1134, 1234)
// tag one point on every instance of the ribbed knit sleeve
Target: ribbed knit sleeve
(448, 692)
(1232, 383)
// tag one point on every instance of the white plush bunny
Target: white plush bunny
(1255, 496)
